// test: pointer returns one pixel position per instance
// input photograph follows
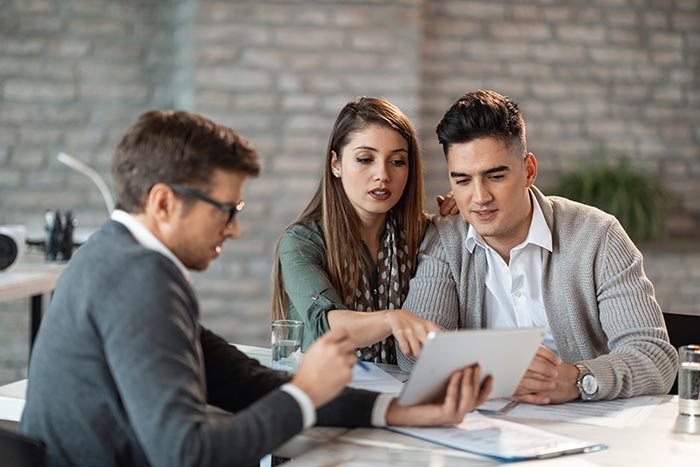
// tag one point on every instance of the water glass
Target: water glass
(286, 344)
(689, 380)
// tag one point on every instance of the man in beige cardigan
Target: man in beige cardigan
(516, 258)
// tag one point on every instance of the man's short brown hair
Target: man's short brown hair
(175, 147)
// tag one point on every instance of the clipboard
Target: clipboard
(503, 353)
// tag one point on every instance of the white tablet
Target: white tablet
(503, 353)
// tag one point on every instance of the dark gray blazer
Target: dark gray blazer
(122, 371)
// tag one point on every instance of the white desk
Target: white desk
(653, 444)
(31, 280)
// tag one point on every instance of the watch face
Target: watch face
(589, 384)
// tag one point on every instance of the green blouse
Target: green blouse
(310, 293)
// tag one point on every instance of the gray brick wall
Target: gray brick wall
(279, 72)
(14, 340)
(73, 74)
(619, 76)
(616, 77)
(675, 273)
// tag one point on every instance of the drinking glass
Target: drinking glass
(689, 380)
(286, 344)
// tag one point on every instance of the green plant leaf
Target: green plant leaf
(635, 198)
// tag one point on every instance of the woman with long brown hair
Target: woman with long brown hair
(347, 259)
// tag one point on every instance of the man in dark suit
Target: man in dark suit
(122, 371)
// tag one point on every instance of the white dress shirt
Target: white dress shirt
(146, 238)
(513, 295)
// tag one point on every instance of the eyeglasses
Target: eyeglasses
(230, 211)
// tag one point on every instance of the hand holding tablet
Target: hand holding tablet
(503, 353)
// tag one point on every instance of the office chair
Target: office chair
(18, 450)
(682, 330)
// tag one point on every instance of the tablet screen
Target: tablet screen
(503, 353)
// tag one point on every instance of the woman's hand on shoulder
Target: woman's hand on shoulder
(409, 330)
(447, 205)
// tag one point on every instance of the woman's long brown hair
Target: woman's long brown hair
(341, 225)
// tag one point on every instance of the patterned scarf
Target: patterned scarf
(393, 271)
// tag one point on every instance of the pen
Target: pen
(363, 365)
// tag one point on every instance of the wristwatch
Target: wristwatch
(587, 384)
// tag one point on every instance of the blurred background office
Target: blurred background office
(613, 79)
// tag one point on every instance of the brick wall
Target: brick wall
(73, 74)
(279, 72)
(619, 77)
(675, 272)
(614, 75)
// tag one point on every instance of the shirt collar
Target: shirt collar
(146, 238)
(539, 234)
(473, 239)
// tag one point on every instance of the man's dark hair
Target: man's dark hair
(483, 114)
(176, 147)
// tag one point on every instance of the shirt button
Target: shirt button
(314, 297)
(374, 291)
(517, 294)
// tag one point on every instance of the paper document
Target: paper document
(498, 405)
(375, 379)
(391, 441)
(12, 397)
(619, 413)
(501, 439)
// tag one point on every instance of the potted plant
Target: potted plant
(637, 199)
